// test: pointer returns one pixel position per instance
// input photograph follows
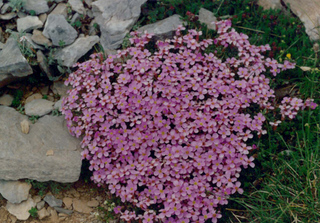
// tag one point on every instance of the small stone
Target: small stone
(70, 54)
(267, 4)
(25, 126)
(64, 211)
(33, 97)
(14, 191)
(37, 199)
(44, 66)
(49, 152)
(88, 2)
(22, 14)
(60, 88)
(58, 29)
(52, 201)
(6, 100)
(61, 9)
(38, 6)
(40, 39)
(80, 206)
(43, 213)
(39, 107)
(28, 23)
(8, 16)
(44, 90)
(77, 6)
(207, 17)
(43, 17)
(93, 203)
(5, 8)
(58, 105)
(54, 216)
(21, 211)
(67, 202)
(40, 205)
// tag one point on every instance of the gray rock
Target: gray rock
(40, 39)
(13, 65)
(14, 191)
(28, 23)
(39, 107)
(1, 46)
(64, 211)
(207, 17)
(40, 205)
(77, 6)
(58, 1)
(115, 18)
(58, 105)
(22, 14)
(61, 9)
(267, 4)
(60, 88)
(2, 39)
(24, 155)
(33, 97)
(308, 13)
(57, 28)
(44, 66)
(21, 211)
(5, 8)
(8, 16)
(6, 100)
(1, 3)
(75, 17)
(70, 54)
(39, 6)
(88, 2)
(52, 201)
(163, 29)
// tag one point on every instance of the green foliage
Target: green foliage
(32, 12)
(17, 5)
(34, 118)
(17, 98)
(77, 24)
(20, 109)
(56, 112)
(45, 97)
(33, 212)
(62, 43)
(43, 187)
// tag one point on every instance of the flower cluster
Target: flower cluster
(168, 132)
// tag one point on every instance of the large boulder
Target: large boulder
(308, 13)
(47, 152)
(115, 18)
(13, 65)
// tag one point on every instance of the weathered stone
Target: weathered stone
(88, 2)
(39, 107)
(70, 54)
(58, 105)
(13, 65)
(1, 3)
(52, 201)
(163, 29)
(267, 4)
(43, 213)
(8, 16)
(54, 215)
(38, 6)
(207, 17)
(60, 88)
(6, 100)
(44, 66)
(77, 6)
(81, 206)
(43, 17)
(308, 13)
(64, 211)
(60, 9)
(24, 155)
(25, 126)
(33, 97)
(37, 199)
(67, 202)
(115, 19)
(93, 203)
(40, 205)
(21, 211)
(40, 39)
(14, 191)
(5, 8)
(28, 23)
(58, 29)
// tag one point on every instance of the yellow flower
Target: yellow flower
(289, 56)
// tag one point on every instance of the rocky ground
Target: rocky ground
(75, 205)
